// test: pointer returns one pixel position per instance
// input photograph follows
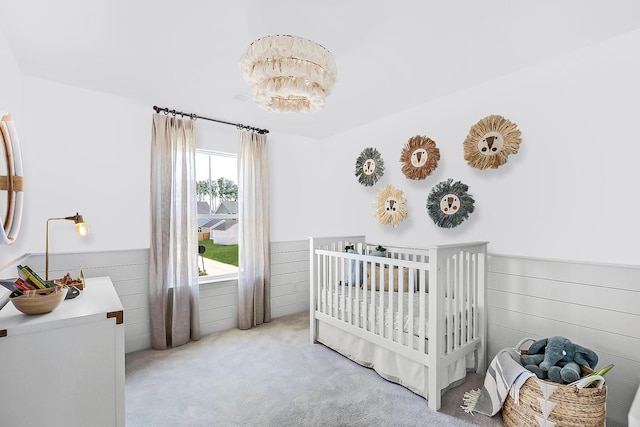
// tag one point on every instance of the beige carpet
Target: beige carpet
(272, 376)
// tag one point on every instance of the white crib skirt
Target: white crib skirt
(389, 365)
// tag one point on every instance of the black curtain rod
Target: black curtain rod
(196, 116)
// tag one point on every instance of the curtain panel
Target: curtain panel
(173, 262)
(254, 264)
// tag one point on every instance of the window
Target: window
(217, 212)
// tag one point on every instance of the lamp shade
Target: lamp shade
(81, 230)
(288, 73)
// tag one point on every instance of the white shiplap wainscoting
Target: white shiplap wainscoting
(218, 306)
(595, 305)
(289, 277)
(129, 271)
(289, 289)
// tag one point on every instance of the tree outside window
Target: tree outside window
(217, 194)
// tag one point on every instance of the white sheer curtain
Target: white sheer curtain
(254, 269)
(173, 263)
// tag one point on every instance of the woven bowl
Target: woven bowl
(40, 301)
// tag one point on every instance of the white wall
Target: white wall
(569, 193)
(88, 152)
(215, 136)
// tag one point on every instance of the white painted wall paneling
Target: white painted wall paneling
(595, 305)
(129, 271)
(289, 277)
(592, 304)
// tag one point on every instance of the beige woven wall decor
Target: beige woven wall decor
(390, 206)
(490, 142)
(419, 157)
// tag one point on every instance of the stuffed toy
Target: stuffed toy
(558, 359)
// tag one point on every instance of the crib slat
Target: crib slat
(456, 302)
(470, 284)
(401, 309)
(357, 314)
(460, 300)
(422, 294)
(344, 283)
(332, 284)
(327, 285)
(473, 296)
(392, 313)
(322, 288)
(380, 328)
(335, 287)
(372, 301)
(410, 305)
(364, 315)
(348, 307)
(451, 273)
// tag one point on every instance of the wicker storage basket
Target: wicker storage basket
(563, 405)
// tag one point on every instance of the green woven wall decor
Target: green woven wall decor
(369, 167)
(449, 204)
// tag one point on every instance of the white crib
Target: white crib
(416, 316)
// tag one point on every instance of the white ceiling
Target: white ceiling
(391, 56)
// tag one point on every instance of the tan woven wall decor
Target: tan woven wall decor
(490, 142)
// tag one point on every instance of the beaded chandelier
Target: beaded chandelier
(288, 73)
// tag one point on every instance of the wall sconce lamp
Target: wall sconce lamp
(81, 230)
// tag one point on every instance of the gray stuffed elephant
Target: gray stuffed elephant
(558, 359)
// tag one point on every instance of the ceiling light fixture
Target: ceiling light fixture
(288, 73)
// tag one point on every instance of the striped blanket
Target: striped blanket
(505, 376)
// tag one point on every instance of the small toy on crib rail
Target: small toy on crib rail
(379, 251)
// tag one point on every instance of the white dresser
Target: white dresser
(64, 368)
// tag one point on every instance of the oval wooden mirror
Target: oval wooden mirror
(11, 181)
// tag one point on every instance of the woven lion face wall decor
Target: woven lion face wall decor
(490, 142)
(449, 204)
(369, 167)
(390, 206)
(419, 157)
